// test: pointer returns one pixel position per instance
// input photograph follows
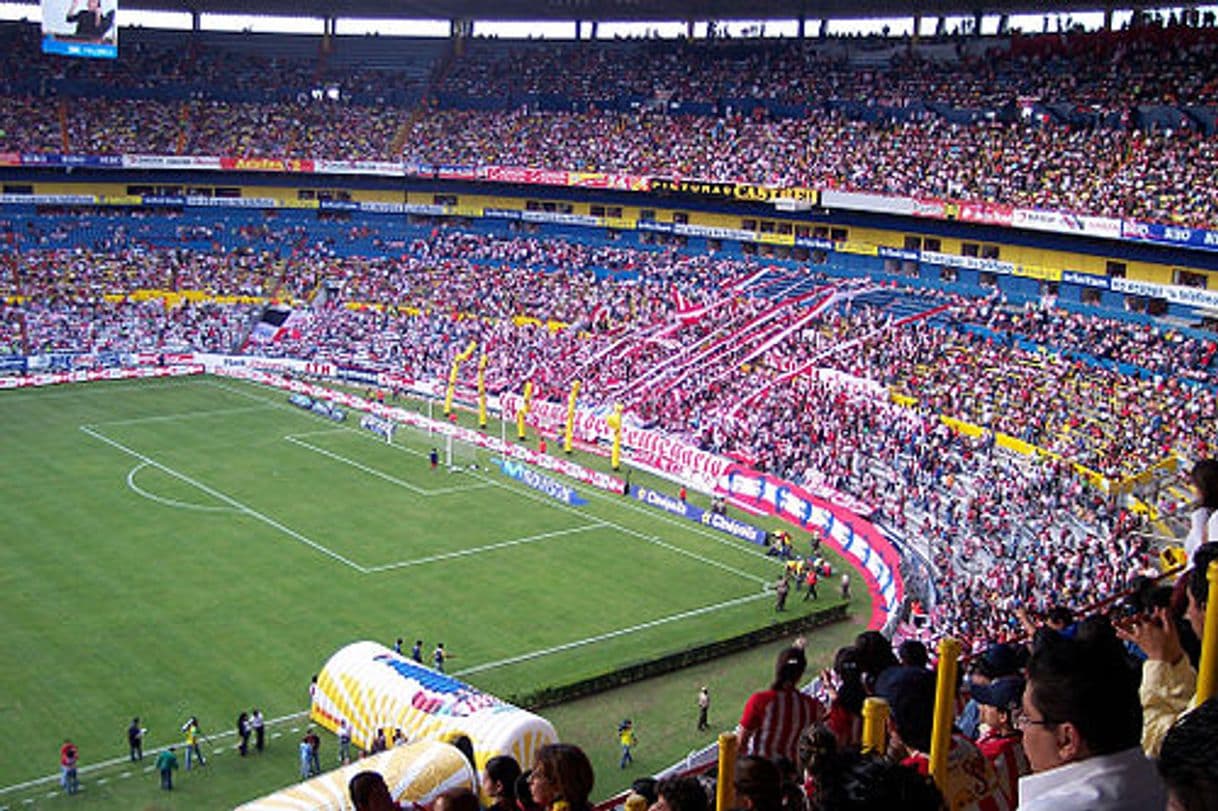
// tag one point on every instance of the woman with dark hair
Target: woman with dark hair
(758, 784)
(1204, 476)
(499, 782)
(874, 656)
(773, 718)
(844, 687)
(562, 778)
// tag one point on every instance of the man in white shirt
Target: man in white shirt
(1082, 727)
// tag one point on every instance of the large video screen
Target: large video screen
(80, 28)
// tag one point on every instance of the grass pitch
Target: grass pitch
(198, 546)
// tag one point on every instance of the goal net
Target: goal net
(459, 455)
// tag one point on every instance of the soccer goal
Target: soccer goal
(460, 455)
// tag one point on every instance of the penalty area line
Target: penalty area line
(592, 640)
(216, 494)
(414, 488)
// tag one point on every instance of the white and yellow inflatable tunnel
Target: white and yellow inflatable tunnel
(374, 688)
(415, 773)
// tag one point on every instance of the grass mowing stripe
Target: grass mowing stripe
(187, 415)
(250, 511)
(478, 549)
(96, 387)
(642, 626)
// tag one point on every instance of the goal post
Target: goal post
(459, 455)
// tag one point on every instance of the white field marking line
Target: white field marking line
(696, 529)
(549, 502)
(186, 415)
(126, 759)
(643, 626)
(168, 502)
(651, 539)
(475, 550)
(250, 511)
(410, 429)
(414, 488)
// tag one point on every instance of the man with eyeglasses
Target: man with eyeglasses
(1082, 727)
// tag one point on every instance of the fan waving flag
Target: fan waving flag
(687, 311)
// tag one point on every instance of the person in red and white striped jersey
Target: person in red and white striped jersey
(773, 719)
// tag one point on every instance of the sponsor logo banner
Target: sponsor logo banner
(985, 213)
(603, 180)
(384, 168)
(519, 174)
(925, 207)
(1171, 234)
(1176, 294)
(969, 262)
(854, 537)
(723, 523)
(1085, 279)
(209, 162)
(50, 199)
(539, 482)
(1063, 222)
(670, 456)
(733, 191)
(450, 172)
(55, 378)
(267, 164)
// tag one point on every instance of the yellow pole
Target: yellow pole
(615, 425)
(875, 714)
(452, 386)
(524, 409)
(568, 436)
(945, 711)
(452, 376)
(725, 786)
(482, 392)
(1207, 669)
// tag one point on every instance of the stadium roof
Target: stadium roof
(623, 10)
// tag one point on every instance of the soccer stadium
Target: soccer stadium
(614, 404)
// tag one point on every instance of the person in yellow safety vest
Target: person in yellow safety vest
(625, 736)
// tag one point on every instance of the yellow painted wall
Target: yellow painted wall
(1036, 262)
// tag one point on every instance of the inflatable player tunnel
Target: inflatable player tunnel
(416, 774)
(376, 689)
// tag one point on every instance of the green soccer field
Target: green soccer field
(199, 546)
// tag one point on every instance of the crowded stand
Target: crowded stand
(864, 387)
(558, 310)
(990, 122)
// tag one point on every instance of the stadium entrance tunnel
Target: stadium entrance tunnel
(375, 689)
(415, 773)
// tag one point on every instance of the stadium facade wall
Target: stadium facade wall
(1052, 254)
